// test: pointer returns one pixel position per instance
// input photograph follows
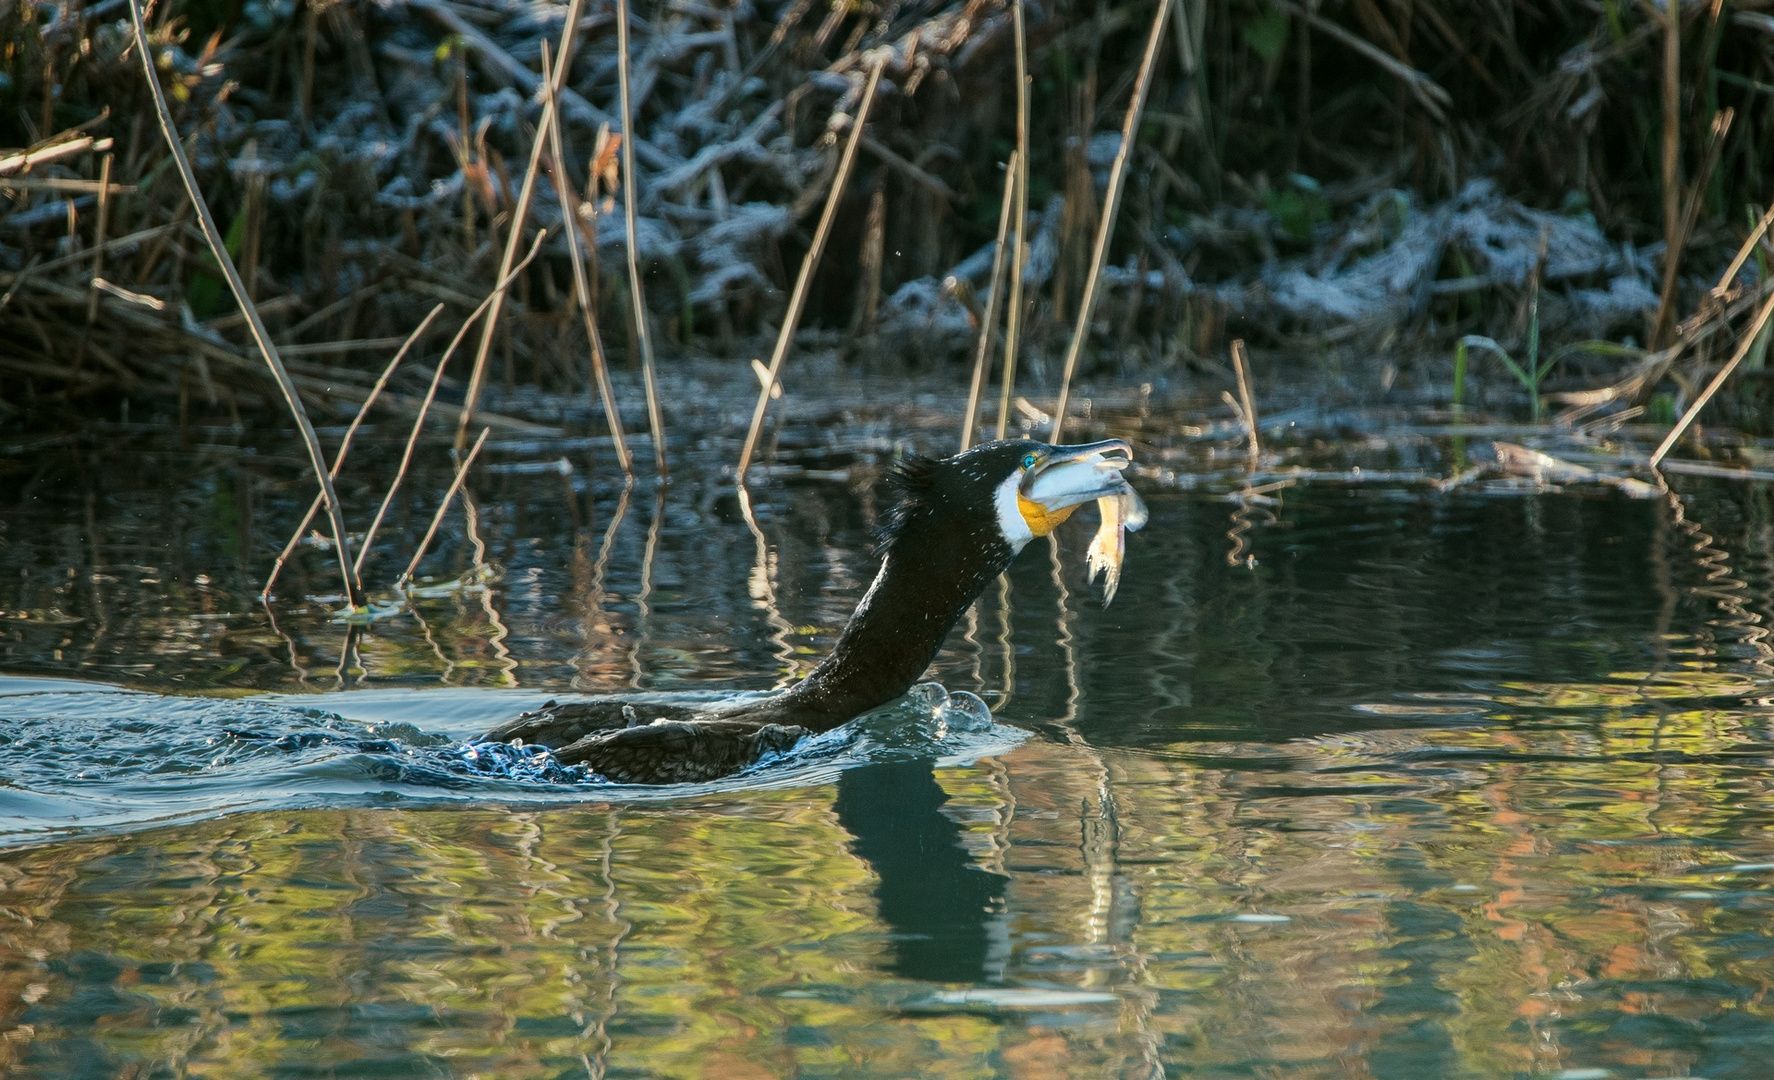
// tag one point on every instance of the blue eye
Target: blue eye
(1029, 461)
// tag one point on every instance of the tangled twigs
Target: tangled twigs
(406, 458)
(600, 372)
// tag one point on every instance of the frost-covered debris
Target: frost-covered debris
(1500, 238)
(728, 252)
(934, 312)
(926, 312)
(384, 142)
(1379, 265)
(655, 238)
(395, 156)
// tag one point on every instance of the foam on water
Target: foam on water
(78, 757)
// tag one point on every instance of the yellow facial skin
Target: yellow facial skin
(1040, 520)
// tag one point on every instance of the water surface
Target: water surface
(1375, 781)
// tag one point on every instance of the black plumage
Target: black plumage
(942, 542)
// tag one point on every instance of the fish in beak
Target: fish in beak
(1063, 478)
(1067, 477)
(1122, 513)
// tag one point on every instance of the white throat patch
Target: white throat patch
(1015, 530)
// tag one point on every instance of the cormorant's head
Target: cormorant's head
(1023, 487)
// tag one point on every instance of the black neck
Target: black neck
(932, 571)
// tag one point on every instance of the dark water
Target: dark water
(1378, 781)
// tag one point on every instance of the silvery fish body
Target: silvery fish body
(1122, 513)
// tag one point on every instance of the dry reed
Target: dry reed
(406, 576)
(261, 336)
(631, 244)
(345, 448)
(994, 294)
(1672, 154)
(1130, 127)
(1246, 403)
(1743, 252)
(798, 299)
(1020, 253)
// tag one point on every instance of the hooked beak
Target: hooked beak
(1070, 476)
(1066, 477)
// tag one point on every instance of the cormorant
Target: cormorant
(958, 523)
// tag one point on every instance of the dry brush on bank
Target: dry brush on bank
(1369, 170)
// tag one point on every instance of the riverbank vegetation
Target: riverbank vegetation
(1563, 194)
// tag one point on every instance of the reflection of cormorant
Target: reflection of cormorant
(937, 902)
(958, 524)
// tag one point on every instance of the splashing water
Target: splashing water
(79, 757)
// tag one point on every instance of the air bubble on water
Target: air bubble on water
(966, 712)
(932, 696)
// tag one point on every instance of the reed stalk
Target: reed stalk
(1677, 243)
(406, 576)
(1241, 366)
(1672, 192)
(261, 336)
(514, 235)
(1743, 252)
(406, 457)
(1020, 253)
(345, 448)
(798, 299)
(994, 294)
(98, 238)
(563, 187)
(1130, 127)
(644, 334)
(1709, 160)
(1744, 344)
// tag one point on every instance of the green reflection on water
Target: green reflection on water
(1512, 918)
(1448, 786)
